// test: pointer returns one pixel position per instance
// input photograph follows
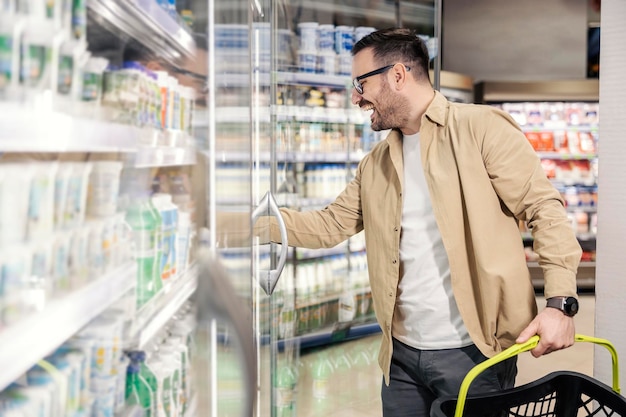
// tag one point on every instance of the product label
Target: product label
(6, 51)
(166, 396)
(143, 243)
(64, 81)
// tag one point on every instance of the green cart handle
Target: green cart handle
(523, 347)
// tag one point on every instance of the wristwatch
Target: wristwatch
(568, 305)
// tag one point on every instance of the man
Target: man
(440, 199)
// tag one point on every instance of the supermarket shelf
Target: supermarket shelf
(582, 237)
(559, 125)
(162, 156)
(237, 114)
(284, 77)
(550, 90)
(35, 336)
(310, 156)
(75, 134)
(146, 22)
(585, 279)
(303, 253)
(340, 333)
(151, 319)
(34, 129)
(566, 156)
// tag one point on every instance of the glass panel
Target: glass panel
(283, 122)
(230, 187)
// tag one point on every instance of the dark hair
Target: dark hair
(397, 45)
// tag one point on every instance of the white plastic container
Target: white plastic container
(308, 36)
(103, 190)
(13, 272)
(169, 230)
(344, 39)
(15, 182)
(103, 391)
(326, 38)
(327, 62)
(61, 182)
(344, 64)
(78, 264)
(101, 333)
(183, 241)
(76, 199)
(307, 60)
(40, 219)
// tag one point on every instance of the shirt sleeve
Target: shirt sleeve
(522, 185)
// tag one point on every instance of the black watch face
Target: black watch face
(571, 306)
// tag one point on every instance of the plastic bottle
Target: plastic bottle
(171, 359)
(287, 318)
(322, 371)
(169, 228)
(138, 389)
(163, 375)
(179, 348)
(145, 223)
(342, 375)
(148, 374)
(285, 381)
(183, 241)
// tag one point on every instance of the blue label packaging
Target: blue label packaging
(344, 39)
(327, 63)
(344, 64)
(326, 38)
(307, 61)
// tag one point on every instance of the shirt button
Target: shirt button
(395, 229)
(394, 262)
(390, 293)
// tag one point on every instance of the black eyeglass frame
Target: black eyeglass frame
(356, 82)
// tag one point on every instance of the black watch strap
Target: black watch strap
(568, 305)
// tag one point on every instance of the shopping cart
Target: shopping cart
(558, 394)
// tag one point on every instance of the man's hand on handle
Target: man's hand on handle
(556, 331)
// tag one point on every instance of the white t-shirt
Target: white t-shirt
(426, 315)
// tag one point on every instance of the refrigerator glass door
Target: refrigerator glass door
(282, 132)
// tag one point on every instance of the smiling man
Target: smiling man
(440, 199)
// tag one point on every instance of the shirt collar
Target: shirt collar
(435, 112)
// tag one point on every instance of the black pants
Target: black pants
(418, 377)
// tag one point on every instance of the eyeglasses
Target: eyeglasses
(356, 83)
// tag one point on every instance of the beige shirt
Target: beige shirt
(483, 176)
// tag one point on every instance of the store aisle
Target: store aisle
(354, 390)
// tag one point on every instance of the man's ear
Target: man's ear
(400, 75)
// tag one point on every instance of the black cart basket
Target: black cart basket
(559, 394)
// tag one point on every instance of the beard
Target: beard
(392, 110)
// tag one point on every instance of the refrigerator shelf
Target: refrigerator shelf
(299, 114)
(35, 336)
(285, 77)
(33, 129)
(153, 317)
(146, 22)
(341, 333)
(312, 156)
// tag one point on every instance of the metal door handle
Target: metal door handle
(268, 207)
